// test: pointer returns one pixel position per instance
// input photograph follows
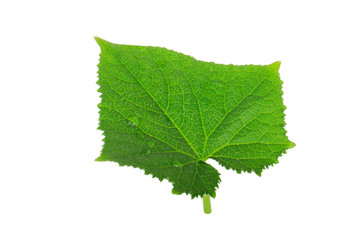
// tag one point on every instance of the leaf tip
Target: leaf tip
(97, 39)
(174, 191)
(212, 194)
(276, 65)
(291, 145)
(100, 41)
(99, 159)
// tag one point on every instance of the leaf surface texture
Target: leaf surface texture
(167, 113)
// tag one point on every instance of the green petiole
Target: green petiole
(207, 205)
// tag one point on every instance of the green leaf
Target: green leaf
(167, 113)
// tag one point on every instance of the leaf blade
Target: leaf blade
(166, 113)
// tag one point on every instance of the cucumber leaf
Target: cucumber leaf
(167, 113)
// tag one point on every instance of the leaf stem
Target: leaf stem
(207, 205)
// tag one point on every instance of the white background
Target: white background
(50, 185)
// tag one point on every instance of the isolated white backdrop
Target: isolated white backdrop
(50, 185)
